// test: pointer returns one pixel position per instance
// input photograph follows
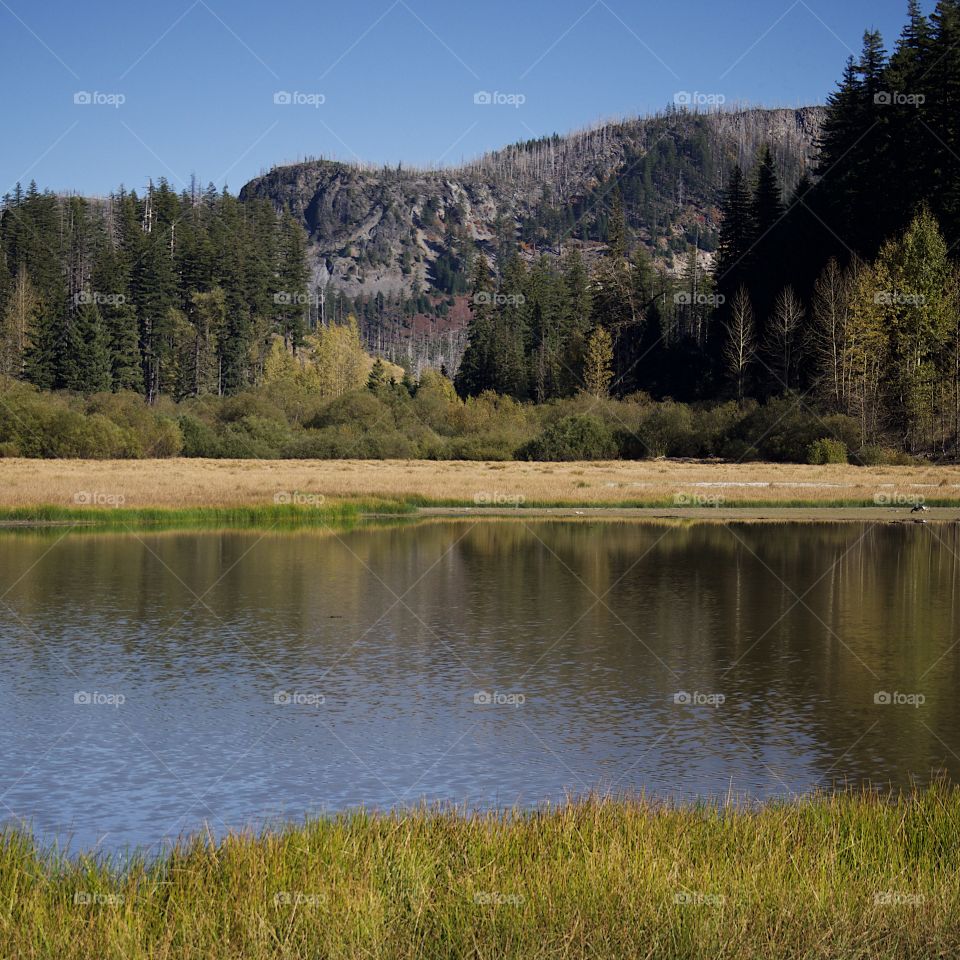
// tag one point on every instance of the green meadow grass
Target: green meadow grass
(846, 876)
(269, 515)
(352, 509)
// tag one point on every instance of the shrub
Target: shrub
(345, 442)
(874, 455)
(149, 432)
(199, 439)
(577, 437)
(666, 430)
(783, 429)
(357, 408)
(826, 450)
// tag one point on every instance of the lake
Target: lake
(151, 683)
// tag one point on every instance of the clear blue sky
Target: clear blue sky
(198, 78)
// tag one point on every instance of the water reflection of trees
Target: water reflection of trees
(798, 623)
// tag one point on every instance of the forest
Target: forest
(835, 306)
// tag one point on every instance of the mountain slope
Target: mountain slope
(387, 230)
(395, 246)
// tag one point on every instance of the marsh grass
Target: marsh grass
(239, 517)
(851, 875)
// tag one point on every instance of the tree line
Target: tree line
(163, 293)
(844, 294)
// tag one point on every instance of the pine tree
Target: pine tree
(512, 332)
(909, 144)
(120, 320)
(476, 368)
(577, 310)
(737, 233)
(598, 364)
(766, 256)
(942, 85)
(292, 280)
(85, 365)
(377, 380)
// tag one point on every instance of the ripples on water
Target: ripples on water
(273, 675)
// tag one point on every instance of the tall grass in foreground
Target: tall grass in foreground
(839, 876)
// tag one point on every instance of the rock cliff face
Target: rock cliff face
(401, 232)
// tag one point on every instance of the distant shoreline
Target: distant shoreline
(305, 492)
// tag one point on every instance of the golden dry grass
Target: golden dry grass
(183, 483)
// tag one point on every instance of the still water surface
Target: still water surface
(153, 683)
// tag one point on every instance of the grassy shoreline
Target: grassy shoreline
(352, 511)
(841, 875)
(240, 517)
(229, 484)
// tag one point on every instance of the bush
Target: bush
(577, 437)
(826, 450)
(199, 438)
(874, 455)
(70, 434)
(666, 430)
(350, 443)
(359, 408)
(783, 430)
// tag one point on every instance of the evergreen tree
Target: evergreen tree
(85, 365)
(766, 256)
(377, 380)
(737, 233)
(476, 368)
(292, 280)
(942, 87)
